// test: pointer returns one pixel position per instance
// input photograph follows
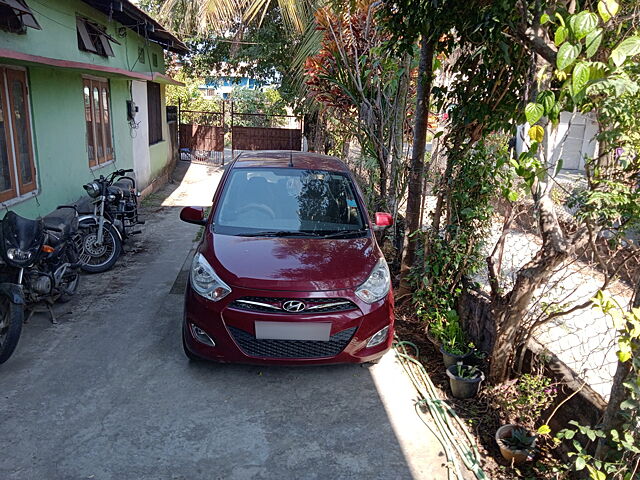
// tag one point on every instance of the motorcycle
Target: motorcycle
(109, 219)
(39, 262)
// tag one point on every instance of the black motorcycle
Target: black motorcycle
(107, 220)
(39, 264)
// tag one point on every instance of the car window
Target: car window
(287, 200)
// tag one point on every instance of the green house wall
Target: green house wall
(57, 108)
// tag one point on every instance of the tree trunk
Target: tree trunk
(413, 220)
(397, 149)
(612, 419)
(508, 313)
(510, 310)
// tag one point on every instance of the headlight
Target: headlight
(377, 285)
(93, 189)
(19, 256)
(205, 281)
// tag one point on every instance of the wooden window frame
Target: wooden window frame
(18, 188)
(93, 37)
(16, 16)
(154, 122)
(104, 133)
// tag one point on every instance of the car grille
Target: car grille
(275, 305)
(266, 348)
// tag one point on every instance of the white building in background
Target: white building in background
(573, 140)
(220, 84)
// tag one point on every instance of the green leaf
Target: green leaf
(536, 133)
(598, 71)
(544, 430)
(591, 435)
(567, 54)
(579, 80)
(596, 474)
(512, 196)
(533, 112)
(560, 35)
(547, 99)
(558, 167)
(627, 405)
(583, 23)
(607, 9)
(569, 434)
(544, 18)
(627, 48)
(593, 41)
(580, 463)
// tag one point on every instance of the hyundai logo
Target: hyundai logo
(294, 306)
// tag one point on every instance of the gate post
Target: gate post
(232, 144)
(223, 132)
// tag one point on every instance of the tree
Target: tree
(585, 78)
(362, 84)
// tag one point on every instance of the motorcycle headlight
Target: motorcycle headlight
(378, 284)
(19, 256)
(205, 281)
(93, 189)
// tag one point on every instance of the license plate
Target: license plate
(293, 331)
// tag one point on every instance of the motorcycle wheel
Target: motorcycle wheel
(11, 319)
(96, 259)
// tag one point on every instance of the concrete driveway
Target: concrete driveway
(108, 394)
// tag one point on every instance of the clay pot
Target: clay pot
(515, 457)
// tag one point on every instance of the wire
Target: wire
(442, 413)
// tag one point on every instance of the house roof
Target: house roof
(129, 15)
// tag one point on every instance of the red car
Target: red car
(288, 270)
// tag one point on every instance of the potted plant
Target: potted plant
(464, 380)
(516, 444)
(448, 333)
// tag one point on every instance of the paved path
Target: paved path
(108, 394)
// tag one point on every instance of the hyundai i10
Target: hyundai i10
(288, 270)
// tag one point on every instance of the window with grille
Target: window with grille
(16, 16)
(17, 169)
(94, 38)
(97, 114)
(154, 108)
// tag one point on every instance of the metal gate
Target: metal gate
(202, 136)
(258, 131)
(202, 133)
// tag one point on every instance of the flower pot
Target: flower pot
(451, 359)
(463, 387)
(515, 457)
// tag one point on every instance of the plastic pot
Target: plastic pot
(515, 457)
(452, 359)
(463, 387)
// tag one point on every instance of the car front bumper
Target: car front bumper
(233, 330)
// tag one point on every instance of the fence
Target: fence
(584, 339)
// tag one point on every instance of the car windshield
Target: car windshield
(289, 202)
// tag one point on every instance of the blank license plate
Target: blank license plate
(293, 331)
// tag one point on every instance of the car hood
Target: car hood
(294, 264)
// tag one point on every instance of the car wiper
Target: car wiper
(344, 233)
(280, 233)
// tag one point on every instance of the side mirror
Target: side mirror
(193, 215)
(383, 220)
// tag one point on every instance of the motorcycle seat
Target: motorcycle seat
(62, 220)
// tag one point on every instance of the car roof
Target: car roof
(281, 159)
